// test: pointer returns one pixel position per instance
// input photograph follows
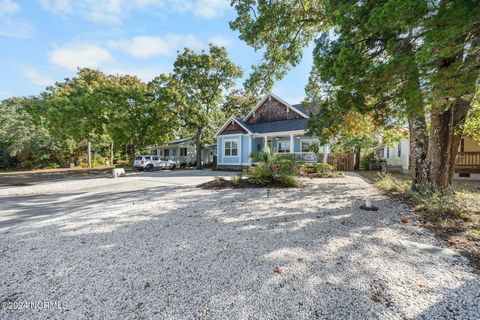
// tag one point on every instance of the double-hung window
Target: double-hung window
(231, 148)
(283, 146)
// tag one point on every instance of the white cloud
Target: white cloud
(8, 7)
(210, 8)
(57, 6)
(11, 26)
(149, 46)
(16, 28)
(114, 11)
(36, 77)
(80, 55)
(220, 41)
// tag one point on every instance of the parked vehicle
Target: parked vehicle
(149, 163)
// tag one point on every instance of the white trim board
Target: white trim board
(239, 151)
(228, 122)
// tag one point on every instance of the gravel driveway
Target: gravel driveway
(144, 249)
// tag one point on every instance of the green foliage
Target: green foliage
(272, 168)
(386, 181)
(262, 174)
(236, 179)
(200, 80)
(281, 29)
(24, 142)
(472, 124)
(388, 61)
(239, 102)
(323, 168)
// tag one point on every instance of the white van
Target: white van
(149, 163)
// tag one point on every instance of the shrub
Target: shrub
(262, 174)
(273, 169)
(236, 179)
(289, 180)
(323, 168)
(388, 182)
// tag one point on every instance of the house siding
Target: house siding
(245, 155)
(394, 160)
(222, 159)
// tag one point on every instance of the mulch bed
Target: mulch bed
(218, 184)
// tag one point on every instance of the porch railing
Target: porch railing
(301, 156)
(468, 160)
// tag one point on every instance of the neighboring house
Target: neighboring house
(467, 164)
(271, 124)
(396, 156)
(184, 151)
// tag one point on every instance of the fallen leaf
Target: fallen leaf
(404, 220)
(421, 285)
(139, 305)
(146, 285)
(376, 298)
(300, 259)
(278, 270)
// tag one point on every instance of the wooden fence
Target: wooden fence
(341, 161)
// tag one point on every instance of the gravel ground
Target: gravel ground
(174, 251)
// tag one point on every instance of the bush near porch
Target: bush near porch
(318, 170)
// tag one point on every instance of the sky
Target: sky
(43, 41)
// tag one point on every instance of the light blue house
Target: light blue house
(272, 124)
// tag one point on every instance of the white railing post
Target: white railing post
(291, 143)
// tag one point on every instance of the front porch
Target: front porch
(297, 147)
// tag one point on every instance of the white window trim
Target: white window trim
(286, 142)
(237, 141)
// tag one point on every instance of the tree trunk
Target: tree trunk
(133, 152)
(198, 145)
(417, 124)
(419, 169)
(357, 158)
(445, 134)
(89, 153)
(111, 153)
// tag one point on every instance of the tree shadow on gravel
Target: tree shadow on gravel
(181, 252)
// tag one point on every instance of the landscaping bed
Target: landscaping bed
(454, 218)
(221, 183)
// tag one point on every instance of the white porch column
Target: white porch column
(291, 143)
(251, 149)
(325, 155)
(265, 143)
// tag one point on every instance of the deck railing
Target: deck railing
(468, 160)
(300, 156)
